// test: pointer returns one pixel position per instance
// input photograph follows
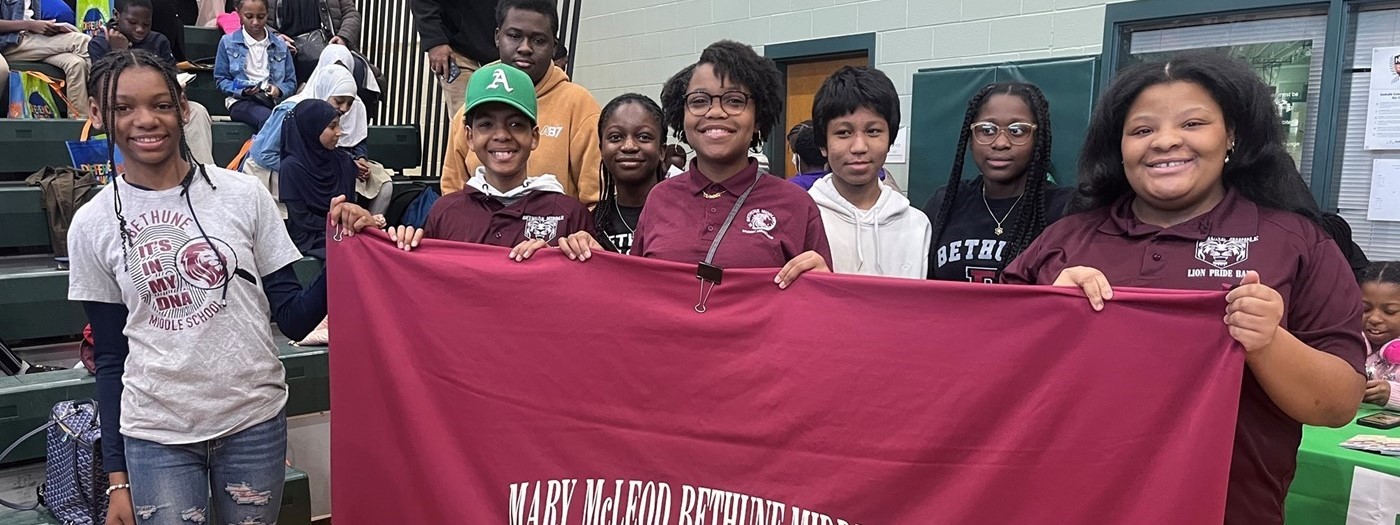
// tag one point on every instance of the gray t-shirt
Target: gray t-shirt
(199, 369)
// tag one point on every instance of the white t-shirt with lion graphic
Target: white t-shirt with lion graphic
(203, 364)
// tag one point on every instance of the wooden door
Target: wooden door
(803, 80)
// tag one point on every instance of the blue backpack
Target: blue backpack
(417, 213)
(75, 485)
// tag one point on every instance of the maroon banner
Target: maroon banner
(468, 388)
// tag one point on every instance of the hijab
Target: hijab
(354, 123)
(310, 173)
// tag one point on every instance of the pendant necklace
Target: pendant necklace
(998, 230)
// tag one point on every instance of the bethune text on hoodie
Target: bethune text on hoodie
(481, 214)
(568, 122)
(889, 239)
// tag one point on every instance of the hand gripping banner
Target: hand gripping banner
(469, 388)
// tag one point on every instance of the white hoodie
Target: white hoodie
(891, 239)
(546, 182)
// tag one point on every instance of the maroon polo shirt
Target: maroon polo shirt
(777, 222)
(472, 216)
(1291, 254)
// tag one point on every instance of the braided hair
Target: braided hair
(103, 81)
(607, 207)
(1031, 220)
(1387, 272)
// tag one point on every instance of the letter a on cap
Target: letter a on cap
(499, 79)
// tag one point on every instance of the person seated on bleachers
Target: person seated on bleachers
(253, 68)
(131, 29)
(22, 37)
(296, 17)
(313, 171)
(331, 84)
(568, 118)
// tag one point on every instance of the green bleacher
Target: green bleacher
(33, 293)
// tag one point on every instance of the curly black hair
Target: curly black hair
(738, 64)
(1260, 167)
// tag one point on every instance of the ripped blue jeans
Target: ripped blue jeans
(173, 484)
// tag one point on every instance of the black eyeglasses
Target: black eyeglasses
(1019, 133)
(698, 103)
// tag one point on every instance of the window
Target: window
(1368, 30)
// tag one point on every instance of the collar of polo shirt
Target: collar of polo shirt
(1234, 215)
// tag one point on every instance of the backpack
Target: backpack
(75, 485)
(417, 213)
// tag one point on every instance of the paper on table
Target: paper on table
(1385, 191)
(1375, 498)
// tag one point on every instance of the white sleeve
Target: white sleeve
(91, 274)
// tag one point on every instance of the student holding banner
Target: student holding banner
(631, 138)
(179, 266)
(1185, 184)
(981, 224)
(872, 228)
(724, 212)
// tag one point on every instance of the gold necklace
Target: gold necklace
(998, 229)
(709, 195)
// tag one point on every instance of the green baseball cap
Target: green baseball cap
(502, 83)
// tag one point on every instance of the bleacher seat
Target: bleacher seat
(22, 213)
(25, 401)
(202, 42)
(396, 147)
(32, 144)
(296, 505)
(34, 298)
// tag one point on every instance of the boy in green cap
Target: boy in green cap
(502, 205)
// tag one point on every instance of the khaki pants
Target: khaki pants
(198, 134)
(454, 95)
(68, 51)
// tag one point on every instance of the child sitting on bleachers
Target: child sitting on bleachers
(313, 172)
(131, 29)
(253, 67)
(333, 85)
(24, 37)
(502, 205)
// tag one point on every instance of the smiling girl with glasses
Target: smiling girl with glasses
(980, 225)
(724, 211)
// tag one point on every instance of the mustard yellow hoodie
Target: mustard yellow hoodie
(568, 122)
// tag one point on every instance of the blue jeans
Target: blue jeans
(251, 113)
(172, 484)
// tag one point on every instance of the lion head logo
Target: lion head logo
(201, 265)
(1222, 252)
(542, 228)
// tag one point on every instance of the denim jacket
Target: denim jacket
(11, 10)
(230, 65)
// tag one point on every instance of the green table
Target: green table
(1321, 491)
